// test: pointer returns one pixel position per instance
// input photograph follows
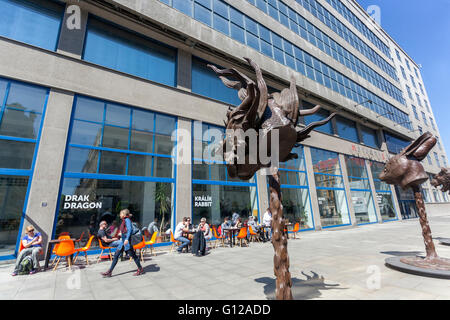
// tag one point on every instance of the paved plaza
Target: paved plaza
(331, 264)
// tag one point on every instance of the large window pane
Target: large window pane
(113, 162)
(347, 129)
(163, 144)
(141, 141)
(115, 137)
(296, 207)
(86, 133)
(386, 206)
(139, 165)
(364, 206)
(325, 161)
(332, 207)
(82, 160)
(35, 22)
(215, 202)
(89, 109)
(16, 155)
(128, 52)
(26, 97)
(12, 196)
(162, 167)
(117, 115)
(20, 124)
(145, 200)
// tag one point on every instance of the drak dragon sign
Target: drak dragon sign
(269, 116)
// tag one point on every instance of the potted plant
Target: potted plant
(162, 199)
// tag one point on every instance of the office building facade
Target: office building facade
(98, 95)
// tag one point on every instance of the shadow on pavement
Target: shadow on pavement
(402, 253)
(149, 268)
(301, 289)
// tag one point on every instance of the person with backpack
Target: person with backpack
(31, 243)
(127, 230)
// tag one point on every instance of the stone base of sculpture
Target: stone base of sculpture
(436, 268)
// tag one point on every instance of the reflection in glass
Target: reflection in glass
(12, 196)
(115, 137)
(145, 200)
(386, 206)
(86, 133)
(117, 115)
(296, 207)
(163, 144)
(162, 167)
(141, 141)
(112, 162)
(139, 165)
(89, 109)
(82, 160)
(26, 97)
(364, 206)
(224, 201)
(16, 123)
(16, 154)
(332, 207)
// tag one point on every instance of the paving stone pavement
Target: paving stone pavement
(330, 264)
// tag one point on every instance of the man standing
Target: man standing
(178, 235)
(267, 221)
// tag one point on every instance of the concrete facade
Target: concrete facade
(67, 74)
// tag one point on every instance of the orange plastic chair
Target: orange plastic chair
(174, 242)
(151, 242)
(81, 238)
(140, 246)
(84, 250)
(218, 238)
(103, 249)
(66, 249)
(296, 229)
(55, 247)
(253, 235)
(242, 235)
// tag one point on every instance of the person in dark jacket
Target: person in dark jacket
(125, 245)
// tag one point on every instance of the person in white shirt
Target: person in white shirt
(178, 235)
(267, 222)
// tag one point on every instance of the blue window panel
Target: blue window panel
(184, 6)
(35, 22)
(266, 48)
(236, 17)
(251, 26)
(264, 33)
(127, 52)
(202, 14)
(261, 4)
(26, 97)
(166, 2)
(205, 82)
(290, 61)
(369, 137)
(164, 124)
(252, 41)
(220, 24)
(320, 115)
(301, 67)
(288, 47)
(3, 86)
(221, 8)
(277, 41)
(205, 3)
(394, 143)
(273, 12)
(278, 55)
(284, 20)
(117, 115)
(237, 33)
(310, 73)
(347, 129)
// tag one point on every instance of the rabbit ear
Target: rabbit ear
(420, 147)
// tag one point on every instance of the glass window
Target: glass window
(17, 123)
(347, 129)
(332, 207)
(16, 154)
(35, 22)
(370, 137)
(117, 115)
(146, 200)
(206, 82)
(386, 205)
(86, 133)
(184, 6)
(13, 190)
(215, 202)
(318, 116)
(128, 52)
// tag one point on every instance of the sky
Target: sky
(422, 29)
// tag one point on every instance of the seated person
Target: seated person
(178, 234)
(105, 238)
(255, 227)
(203, 226)
(113, 230)
(238, 223)
(31, 246)
(225, 225)
(153, 226)
(234, 218)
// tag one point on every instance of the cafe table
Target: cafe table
(51, 243)
(231, 231)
